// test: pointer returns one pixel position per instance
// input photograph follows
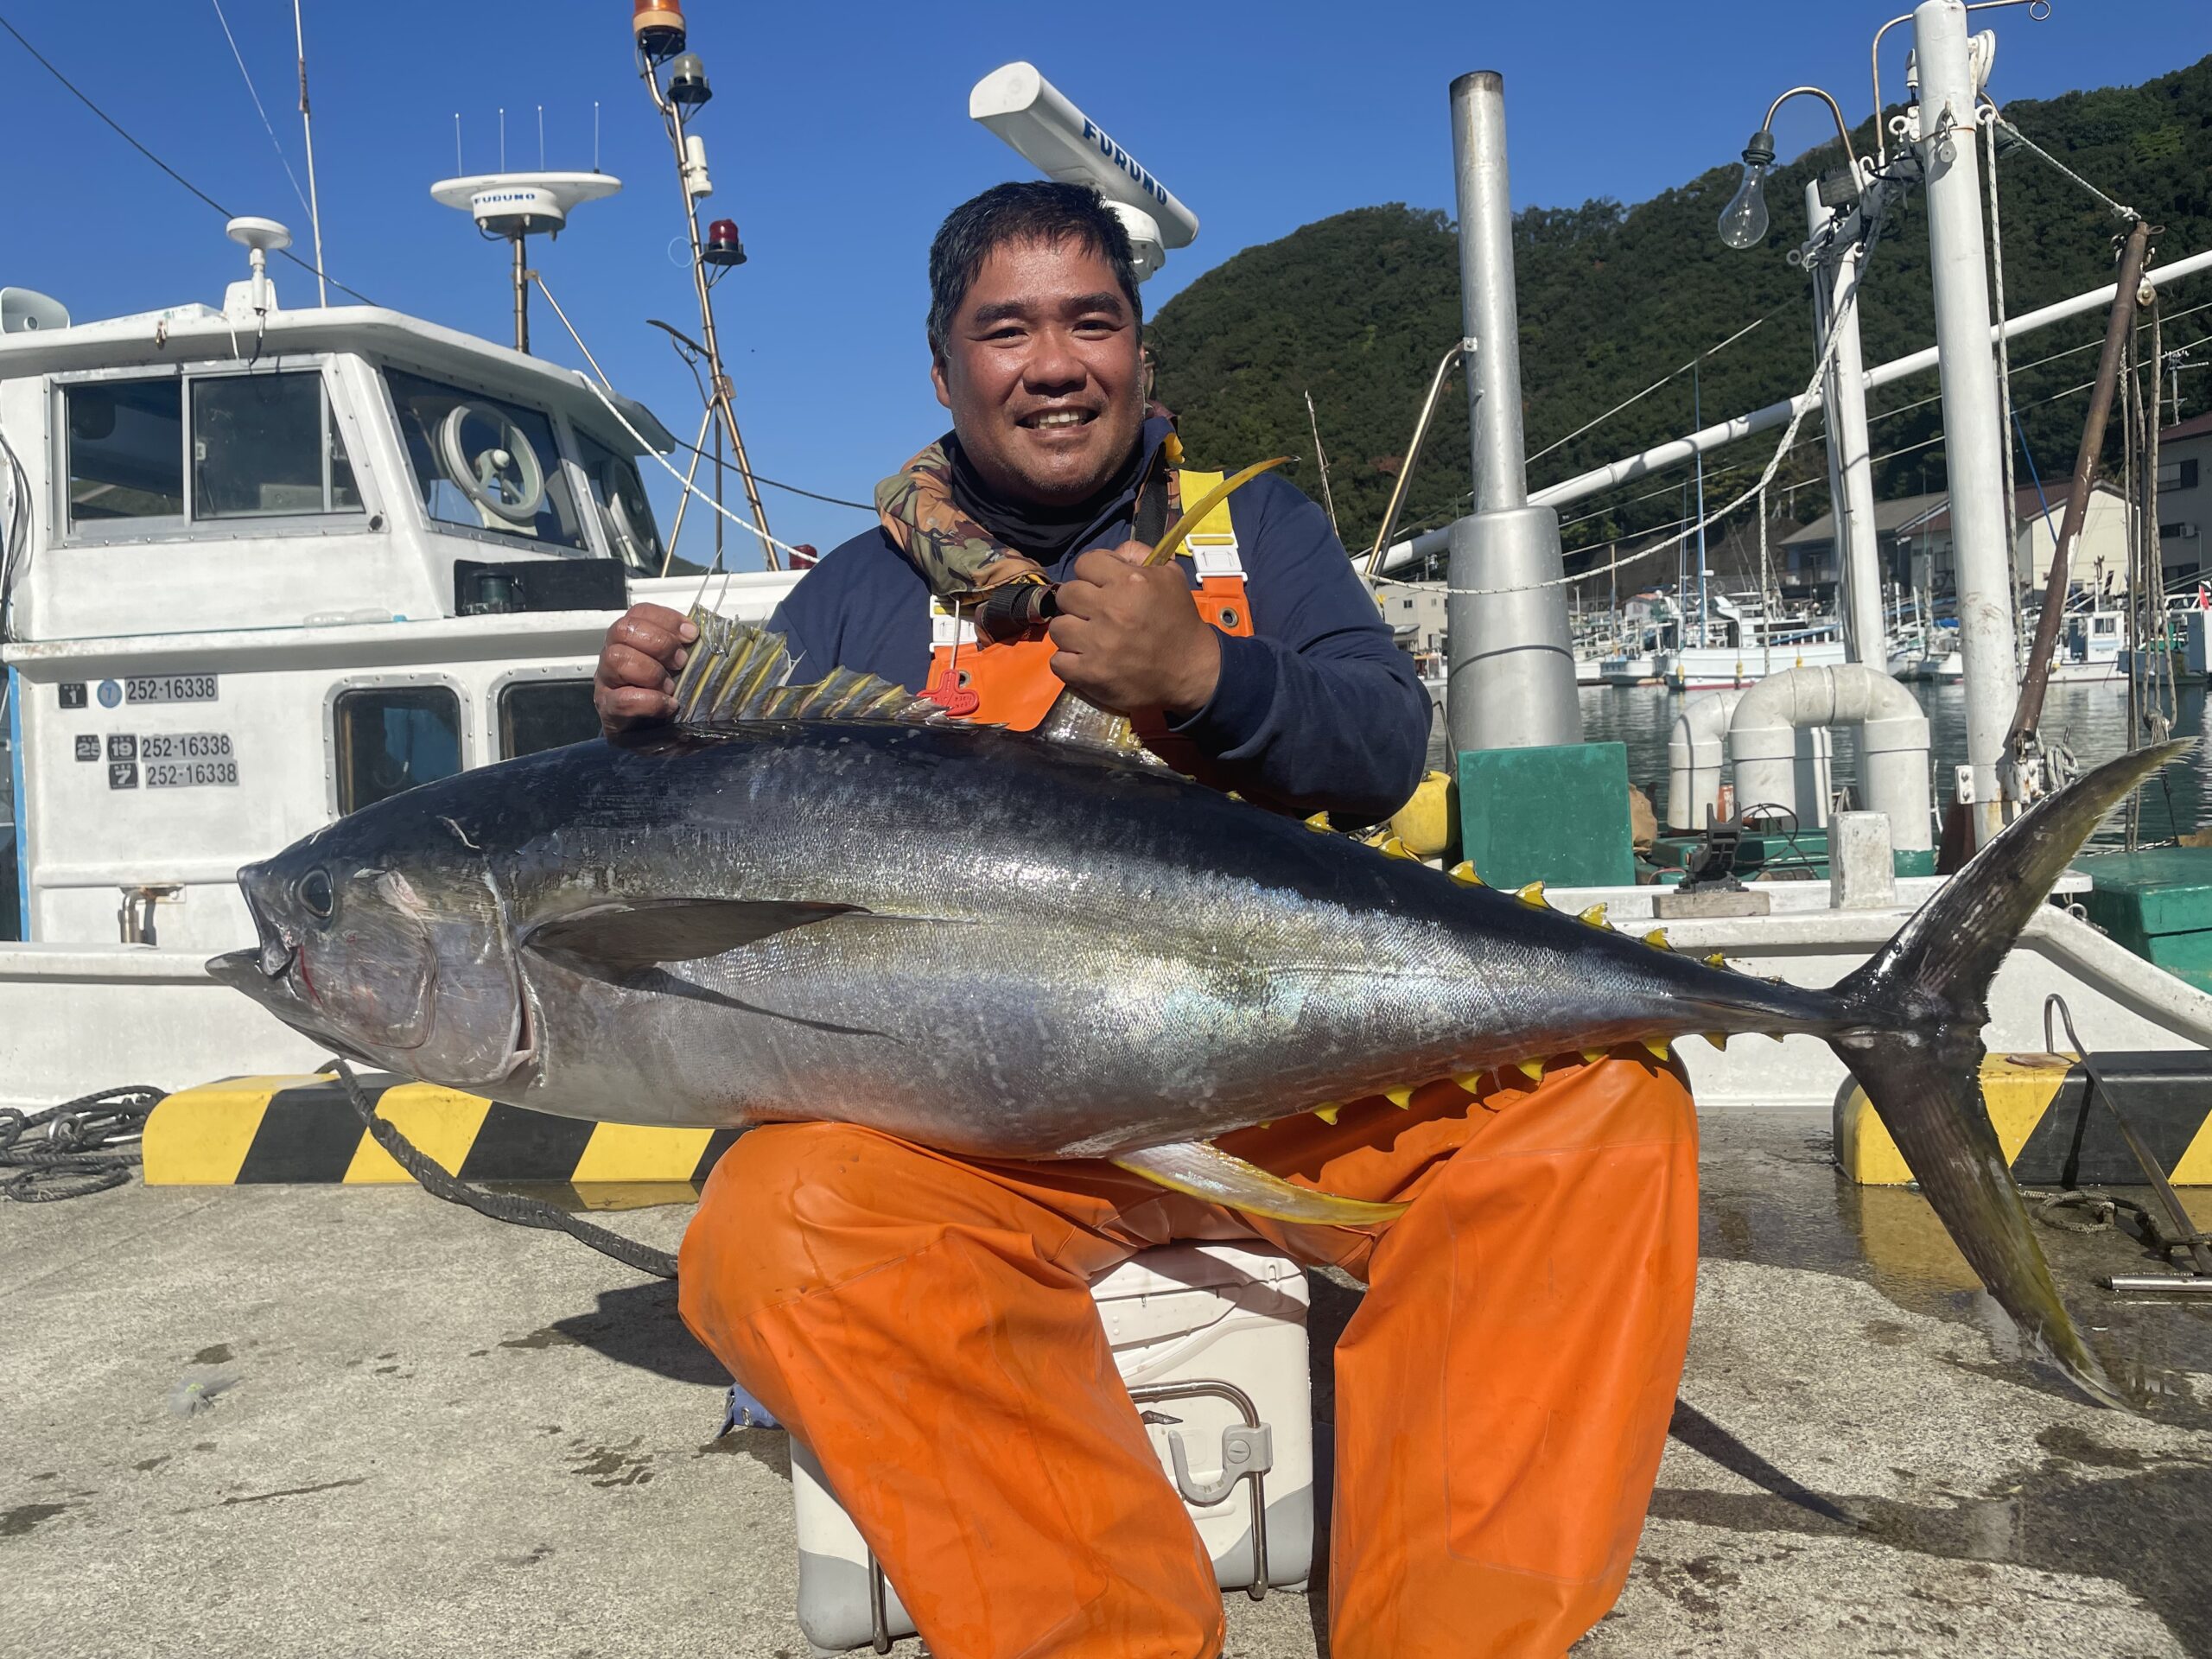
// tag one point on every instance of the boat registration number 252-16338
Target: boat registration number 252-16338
(184, 745)
(188, 774)
(170, 688)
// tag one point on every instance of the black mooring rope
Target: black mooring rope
(500, 1206)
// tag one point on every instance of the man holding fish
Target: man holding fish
(922, 1320)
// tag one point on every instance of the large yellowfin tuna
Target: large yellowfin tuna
(826, 901)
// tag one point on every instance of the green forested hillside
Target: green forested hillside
(1356, 310)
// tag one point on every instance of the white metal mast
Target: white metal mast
(307, 128)
(1851, 473)
(1972, 439)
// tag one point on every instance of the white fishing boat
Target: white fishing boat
(2091, 649)
(264, 566)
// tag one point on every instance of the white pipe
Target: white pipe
(1677, 450)
(1892, 742)
(1974, 440)
(1695, 749)
(1851, 471)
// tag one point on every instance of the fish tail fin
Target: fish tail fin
(1913, 1040)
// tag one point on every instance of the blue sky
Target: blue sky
(838, 136)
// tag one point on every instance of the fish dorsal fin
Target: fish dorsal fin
(639, 933)
(737, 672)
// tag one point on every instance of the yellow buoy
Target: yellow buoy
(1424, 823)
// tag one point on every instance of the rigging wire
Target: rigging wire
(2120, 208)
(644, 445)
(1803, 407)
(120, 131)
(254, 93)
(1671, 375)
(867, 507)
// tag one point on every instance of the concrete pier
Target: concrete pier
(432, 1434)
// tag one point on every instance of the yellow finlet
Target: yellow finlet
(1402, 1098)
(1595, 916)
(1716, 960)
(1532, 1070)
(1591, 1055)
(1657, 938)
(1464, 874)
(1205, 504)
(1657, 1045)
(1395, 848)
(1327, 1111)
(1718, 1039)
(1471, 1082)
(1320, 821)
(1531, 894)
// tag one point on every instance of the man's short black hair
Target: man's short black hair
(1039, 211)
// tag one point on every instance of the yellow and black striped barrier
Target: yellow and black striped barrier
(2054, 1133)
(242, 1131)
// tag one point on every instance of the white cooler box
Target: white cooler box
(1211, 1340)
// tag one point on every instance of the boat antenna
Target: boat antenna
(660, 34)
(457, 167)
(307, 130)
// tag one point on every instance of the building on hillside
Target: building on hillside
(1913, 536)
(2185, 500)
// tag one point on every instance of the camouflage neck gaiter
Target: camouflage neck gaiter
(955, 555)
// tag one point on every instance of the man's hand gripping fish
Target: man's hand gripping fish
(826, 901)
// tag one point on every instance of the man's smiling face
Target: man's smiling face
(1041, 370)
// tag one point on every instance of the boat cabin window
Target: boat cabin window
(265, 444)
(126, 450)
(392, 738)
(485, 463)
(537, 715)
(261, 446)
(627, 515)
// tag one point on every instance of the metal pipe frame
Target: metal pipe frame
(2038, 10)
(1511, 681)
(1842, 131)
(1404, 480)
(2030, 711)
(672, 119)
(1974, 439)
(1675, 451)
(1850, 471)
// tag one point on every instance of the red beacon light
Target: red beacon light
(658, 25)
(723, 248)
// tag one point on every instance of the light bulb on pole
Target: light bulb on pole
(1743, 220)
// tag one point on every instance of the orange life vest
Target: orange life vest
(1011, 683)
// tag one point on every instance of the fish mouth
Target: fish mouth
(242, 970)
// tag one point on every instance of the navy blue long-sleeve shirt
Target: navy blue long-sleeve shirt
(1318, 710)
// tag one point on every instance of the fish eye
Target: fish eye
(317, 897)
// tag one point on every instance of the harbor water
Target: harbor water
(2090, 721)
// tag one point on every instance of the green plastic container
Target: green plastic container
(1556, 814)
(2158, 904)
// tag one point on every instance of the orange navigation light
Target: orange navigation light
(658, 25)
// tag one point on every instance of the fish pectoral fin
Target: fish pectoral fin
(1202, 1170)
(639, 933)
